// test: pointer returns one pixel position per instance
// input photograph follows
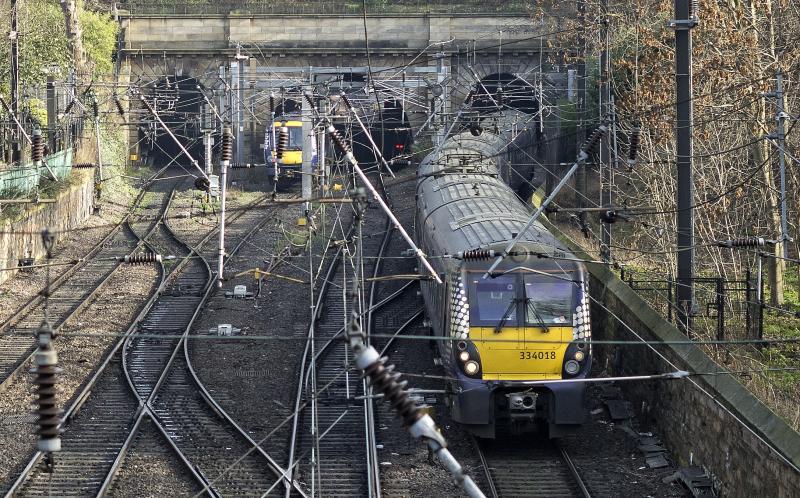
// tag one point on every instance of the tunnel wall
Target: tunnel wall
(698, 422)
(20, 237)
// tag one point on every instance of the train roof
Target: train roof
(472, 211)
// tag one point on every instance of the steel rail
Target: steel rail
(305, 374)
(283, 474)
(142, 409)
(90, 386)
(485, 465)
(55, 284)
(76, 404)
(369, 407)
(147, 408)
(388, 299)
(573, 470)
(416, 316)
(32, 305)
(317, 310)
(568, 478)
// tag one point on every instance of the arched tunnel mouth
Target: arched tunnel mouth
(391, 132)
(507, 90)
(179, 102)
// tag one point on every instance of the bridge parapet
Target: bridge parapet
(334, 33)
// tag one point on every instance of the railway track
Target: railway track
(95, 431)
(73, 289)
(227, 459)
(127, 384)
(334, 445)
(529, 467)
(395, 308)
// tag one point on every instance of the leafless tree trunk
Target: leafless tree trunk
(73, 25)
(762, 67)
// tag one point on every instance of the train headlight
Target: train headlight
(468, 358)
(580, 355)
(572, 367)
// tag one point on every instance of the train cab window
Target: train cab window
(549, 300)
(492, 299)
(296, 137)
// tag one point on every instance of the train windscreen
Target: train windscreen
(492, 299)
(549, 300)
(296, 137)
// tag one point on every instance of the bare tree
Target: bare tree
(74, 34)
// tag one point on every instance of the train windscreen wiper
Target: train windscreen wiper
(512, 306)
(532, 307)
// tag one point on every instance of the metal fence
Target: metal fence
(725, 309)
(156, 7)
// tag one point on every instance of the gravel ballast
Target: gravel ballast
(81, 348)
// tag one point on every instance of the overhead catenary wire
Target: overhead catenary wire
(644, 213)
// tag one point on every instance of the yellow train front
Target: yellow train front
(508, 340)
(289, 165)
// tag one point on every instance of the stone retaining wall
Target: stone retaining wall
(21, 237)
(411, 32)
(711, 420)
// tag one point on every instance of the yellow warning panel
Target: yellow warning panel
(521, 353)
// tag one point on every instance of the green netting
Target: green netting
(21, 180)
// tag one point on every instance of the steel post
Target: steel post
(308, 146)
(580, 108)
(223, 183)
(748, 298)
(236, 107)
(720, 303)
(208, 142)
(760, 297)
(16, 147)
(52, 110)
(683, 24)
(781, 118)
(605, 145)
(99, 148)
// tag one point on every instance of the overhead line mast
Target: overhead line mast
(685, 20)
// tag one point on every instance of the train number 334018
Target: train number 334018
(537, 355)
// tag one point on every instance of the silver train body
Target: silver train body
(509, 337)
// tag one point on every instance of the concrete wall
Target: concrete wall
(697, 417)
(21, 237)
(412, 32)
